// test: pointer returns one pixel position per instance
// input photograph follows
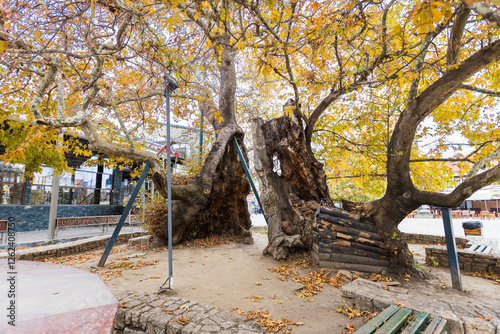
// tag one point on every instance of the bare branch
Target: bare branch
(480, 90)
(355, 176)
(120, 121)
(419, 65)
(121, 30)
(485, 11)
(441, 160)
(483, 161)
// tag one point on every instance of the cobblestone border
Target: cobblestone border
(141, 313)
(68, 248)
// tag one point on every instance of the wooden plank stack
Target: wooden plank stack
(345, 241)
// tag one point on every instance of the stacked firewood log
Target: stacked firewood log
(345, 241)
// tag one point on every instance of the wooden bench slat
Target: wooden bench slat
(436, 326)
(416, 325)
(372, 325)
(440, 327)
(395, 322)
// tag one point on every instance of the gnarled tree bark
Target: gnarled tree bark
(291, 178)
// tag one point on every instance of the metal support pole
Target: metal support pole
(143, 212)
(171, 85)
(245, 167)
(53, 207)
(456, 279)
(130, 202)
(201, 138)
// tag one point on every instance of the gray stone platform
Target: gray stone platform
(141, 313)
(68, 248)
(461, 313)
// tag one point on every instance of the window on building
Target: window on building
(11, 184)
(85, 186)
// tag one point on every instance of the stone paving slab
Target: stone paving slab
(141, 313)
(462, 316)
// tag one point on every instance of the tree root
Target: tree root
(281, 246)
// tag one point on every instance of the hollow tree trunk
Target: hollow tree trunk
(292, 183)
(214, 201)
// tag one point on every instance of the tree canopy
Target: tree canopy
(380, 94)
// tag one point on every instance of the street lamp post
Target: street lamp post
(170, 85)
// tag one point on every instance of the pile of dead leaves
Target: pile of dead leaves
(207, 242)
(73, 259)
(487, 275)
(379, 278)
(314, 281)
(79, 258)
(271, 325)
(352, 313)
(116, 268)
(130, 265)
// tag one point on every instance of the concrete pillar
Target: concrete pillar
(53, 207)
(98, 184)
(26, 200)
(116, 187)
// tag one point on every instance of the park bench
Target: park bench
(3, 230)
(101, 221)
(477, 248)
(392, 319)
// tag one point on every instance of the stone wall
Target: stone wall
(36, 217)
(425, 239)
(469, 261)
(140, 313)
(68, 248)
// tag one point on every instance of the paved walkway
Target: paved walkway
(66, 234)
(491, 228)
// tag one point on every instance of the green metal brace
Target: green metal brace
(130, 202)
(245, 167)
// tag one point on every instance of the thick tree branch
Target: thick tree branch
(483, 161)
(460, 193)
(457, 31)
(60, 97)
(420, 107)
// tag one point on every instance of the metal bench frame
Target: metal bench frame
(102, 221)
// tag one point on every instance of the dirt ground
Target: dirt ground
(237, 277)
